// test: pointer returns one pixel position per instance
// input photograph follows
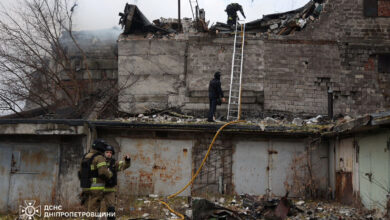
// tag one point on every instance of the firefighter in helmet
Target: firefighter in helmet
(93, 175)
(114, 166)
(231, 11)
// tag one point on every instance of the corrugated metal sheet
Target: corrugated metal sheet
(158, 166)
(374, 168)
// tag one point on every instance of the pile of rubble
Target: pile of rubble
(254, 207)
(244, 207)
(170, 115)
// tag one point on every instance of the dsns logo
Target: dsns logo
(28, 211)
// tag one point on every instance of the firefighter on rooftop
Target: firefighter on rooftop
(231, 11)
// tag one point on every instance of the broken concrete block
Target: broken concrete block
(270, 121)
(189, 213)
(153, 195)
(297, 121)
(301, 23)
(274, 26)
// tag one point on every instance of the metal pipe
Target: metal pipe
(330, 103)
(179, 16)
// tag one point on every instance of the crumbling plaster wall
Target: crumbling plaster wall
(289, 74)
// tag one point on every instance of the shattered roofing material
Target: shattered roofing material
(360, 124)
(282, 23)
(134, 21)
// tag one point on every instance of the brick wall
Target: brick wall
(384, 8)
(289, 74)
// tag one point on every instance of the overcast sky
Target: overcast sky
(98, 14)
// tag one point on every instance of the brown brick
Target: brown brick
(384, 8)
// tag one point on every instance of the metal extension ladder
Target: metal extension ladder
(234, 105)
(194, 8)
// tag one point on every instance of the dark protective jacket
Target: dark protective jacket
(99, 172)
(215, 90)
(115, 166)
(232, 9)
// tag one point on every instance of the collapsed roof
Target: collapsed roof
(134, 21)
(282, 23)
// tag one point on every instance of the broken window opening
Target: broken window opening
(384, 63)
(376, 8)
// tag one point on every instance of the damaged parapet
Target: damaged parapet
(133, 21)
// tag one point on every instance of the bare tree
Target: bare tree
(35, 65)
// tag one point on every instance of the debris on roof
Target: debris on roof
(281, 23)
(134, 21)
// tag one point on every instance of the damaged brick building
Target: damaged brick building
(328, 56)
(343, 51)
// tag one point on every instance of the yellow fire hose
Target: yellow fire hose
(198, 171)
